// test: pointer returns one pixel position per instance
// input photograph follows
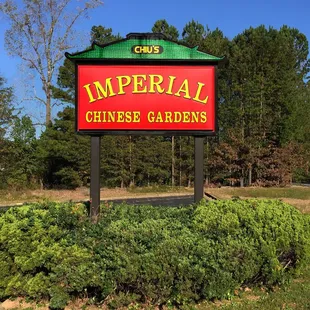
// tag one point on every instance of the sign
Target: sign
(147, 49)
(144, 84)
(145, 98)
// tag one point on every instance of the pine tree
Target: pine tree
(161, 26)
(63, 154)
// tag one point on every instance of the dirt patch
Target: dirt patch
(228, 193)
(80, 194)
(20, 303)
(302, 205)
(252, 297)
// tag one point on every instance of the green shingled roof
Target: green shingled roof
(122, 49)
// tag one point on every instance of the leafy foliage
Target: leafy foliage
(162, 255)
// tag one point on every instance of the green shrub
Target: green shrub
(38, 254)
(155, 254)
(180, 254)
(264, 241)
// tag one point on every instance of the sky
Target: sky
(125, 16)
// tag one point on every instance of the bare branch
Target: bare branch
(39, 34)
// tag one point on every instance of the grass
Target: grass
(17, 196)
(296, 196)
(294, 192)
(294, 296)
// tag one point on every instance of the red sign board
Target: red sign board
(145, 98)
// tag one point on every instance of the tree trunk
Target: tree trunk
(242, 178)
(250, 176)
(241, 181)
(41, 184)
(48, 109)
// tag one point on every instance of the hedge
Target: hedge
(163, 255)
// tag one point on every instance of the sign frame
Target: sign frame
(147, 62)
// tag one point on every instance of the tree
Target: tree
(6, 119)
(265, 98)
(65, 89)
(40, 33)
(161, 26)
(6, 106)
(193, 33)
(63, 154)
(22, 173)
(153, 160)
(183, 160)
(103, 35)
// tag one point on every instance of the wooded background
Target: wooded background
(264, 128)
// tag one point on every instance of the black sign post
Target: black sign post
(198, 182)
(95, 178)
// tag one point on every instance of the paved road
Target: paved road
(172, 201)
(301, 184)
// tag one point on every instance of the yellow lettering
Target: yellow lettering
(168, 117)
(159, 118)
(196, 98)
(183, 89)
(186, 116)
(177, 117)
(120, 116)
(171, 81)
(138, 82)
(97, 116)
(136, 116)
(156, 49)
(123, 81)
(89, 113)
(104, 93)
(111, 116)
(203, 117)
(195, 117)
(128, 117)
(150, 117)
(89, 93)
(157, 83)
